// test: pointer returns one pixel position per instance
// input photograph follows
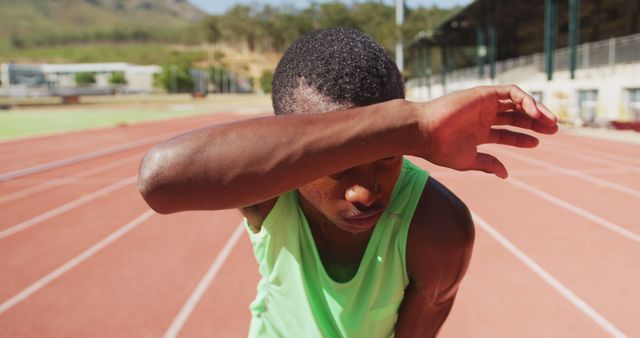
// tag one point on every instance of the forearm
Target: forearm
(421, 317)
(243, 163)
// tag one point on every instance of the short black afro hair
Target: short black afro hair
(342, 64)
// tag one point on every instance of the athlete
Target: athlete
(352, 240)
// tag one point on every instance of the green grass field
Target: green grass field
(139, 53)
(45, 122)
(23, 122)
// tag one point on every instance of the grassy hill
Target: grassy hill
(247, 39)
(28, 23)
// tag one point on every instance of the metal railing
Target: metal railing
(620, 50)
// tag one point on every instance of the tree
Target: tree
(377, 20)
(118, 78)
(175, 79)
(211, 25)
(16, 41)
(266, 80)
(333, 14)
(239, 24)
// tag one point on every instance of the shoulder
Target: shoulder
(442, 217)
(440, 239)
(257, 213)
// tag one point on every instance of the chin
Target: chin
(357, 226)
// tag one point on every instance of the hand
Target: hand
(456, 124)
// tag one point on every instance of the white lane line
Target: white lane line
(42, 282)
(204, 283)
(576, 210)
(603, 154)
(533, 172)
(573, 173)
(622, 158)
(78, 182)
(79, 158)
(66, 207)
(592, 159)
(50, 183)
(549, 279)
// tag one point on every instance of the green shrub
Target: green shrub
(118, 78)
(265, 81)
(175, 79)
(85, 78)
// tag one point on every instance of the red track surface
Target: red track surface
(72, 263)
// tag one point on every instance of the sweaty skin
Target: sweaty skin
(345, 164)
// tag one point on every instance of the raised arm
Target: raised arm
(243, 163)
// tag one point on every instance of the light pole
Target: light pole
(399, 23)
(174, 80)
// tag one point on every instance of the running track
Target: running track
(557, 245)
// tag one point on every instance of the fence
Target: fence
(609, 52)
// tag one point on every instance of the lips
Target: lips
(364, 220)
(363, 215)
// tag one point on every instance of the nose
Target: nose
(362, 196)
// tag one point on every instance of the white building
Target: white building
(47, 78)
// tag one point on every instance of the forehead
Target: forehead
(307, 100)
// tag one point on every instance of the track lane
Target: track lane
(501, 298)
(28, 255)
(625, 174)
(582, 255)
(223, 310)
(609, 156)
(209, 277)
(563, 170)
(72, 179)
(61, 196)
(577, 191)
(132, 288)
(98, 136)
(28, 182)
(549, 279)
(623, 150)
(30, 156)
(518, 308)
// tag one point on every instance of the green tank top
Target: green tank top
(297, 298)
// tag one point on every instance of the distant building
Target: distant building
(60, 79)
(580, 58)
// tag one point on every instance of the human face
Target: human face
(354, 199)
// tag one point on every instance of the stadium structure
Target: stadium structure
(38, 80)
(581, 59)
(26, 80)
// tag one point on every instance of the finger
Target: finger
(511, 138)
(506, 105)
(489, 164)
(521, 120)
(520, 97)
(548, 118)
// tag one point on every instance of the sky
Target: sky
(221, 6)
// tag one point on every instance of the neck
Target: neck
(341, 251)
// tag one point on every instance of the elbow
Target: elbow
(467, 227)
(151, 181)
